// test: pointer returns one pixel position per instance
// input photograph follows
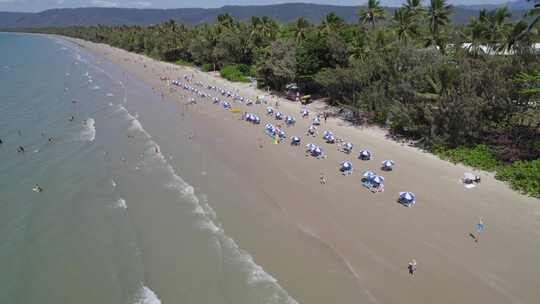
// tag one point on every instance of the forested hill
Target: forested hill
(128, 16)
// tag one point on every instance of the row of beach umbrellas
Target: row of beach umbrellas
(368, 177)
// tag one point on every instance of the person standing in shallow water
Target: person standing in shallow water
(412, 267)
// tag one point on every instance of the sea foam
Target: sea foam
(146, 296)
(89, 130)
(255, 274)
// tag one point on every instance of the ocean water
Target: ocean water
(116, 222)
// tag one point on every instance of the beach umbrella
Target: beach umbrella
(369, 174)
(347, 147)
(365, 154)
(327, 133)
(317, 151)
(407, 198)
(305, 113)
(279, 115)
(312, 129)
(269, 110)
(295, 140)
(330, 139)
(270, 129)
(316, 121)
(388, 163)
(256, 120)
(377, 179)
(281, 133)
(290, 120)
(311, 147)
(346, 166)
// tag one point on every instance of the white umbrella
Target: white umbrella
(388, 163)
(378, 179)
(369, 174)
(365, 154)
(346, 166)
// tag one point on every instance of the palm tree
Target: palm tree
(439, 16)
(300, 28)
(517, 40)
(534, 12)
(269, 28)
(372, 13)
(414, 8)
(496, 26)
(404, 24)
(476, 36)
(331, 23)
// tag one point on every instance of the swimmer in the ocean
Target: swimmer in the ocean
(37, 188)
(20, 149)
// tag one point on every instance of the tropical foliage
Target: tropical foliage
(471, 91)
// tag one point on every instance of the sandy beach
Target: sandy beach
(338, 242)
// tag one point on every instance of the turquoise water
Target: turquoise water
(115, 222)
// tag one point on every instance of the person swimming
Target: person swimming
(20, 149)
(1, 142)
(37, 188)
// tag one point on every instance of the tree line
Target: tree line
(451, 88)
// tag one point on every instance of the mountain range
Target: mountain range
(192, 16)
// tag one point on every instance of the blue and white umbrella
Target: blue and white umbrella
(290, 120)
(388, 163)
(270, 129)
(310, 147)
(226, 105)
(347, 147)
(346, 166)
(407, 198)
(256, 119)
(365, 154)
(281, 133)
(369, 174)
(305, 113)
(327, 133)
(269, 110)
(312, 129)
(330, 139)
(377, 179)
(295, 140)
(317, 151)
(279, 115)
(316, 121)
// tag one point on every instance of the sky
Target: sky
(40, 5)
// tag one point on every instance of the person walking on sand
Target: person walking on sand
(325, 116)
(412, 267)
(479, 229)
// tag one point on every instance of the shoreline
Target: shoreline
(368, 236)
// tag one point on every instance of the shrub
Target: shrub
(183, 62)
(479, 157)
(235, 72)
(523, 176)
(207, 67)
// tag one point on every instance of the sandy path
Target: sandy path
(369, 237)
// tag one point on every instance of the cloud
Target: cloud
(141, 3)
(102, 3)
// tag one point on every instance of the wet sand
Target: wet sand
(339, 242)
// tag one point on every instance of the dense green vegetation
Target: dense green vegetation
(469, 93)
(235, 72)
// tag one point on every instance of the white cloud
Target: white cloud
(141, 3)
(102, 3)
